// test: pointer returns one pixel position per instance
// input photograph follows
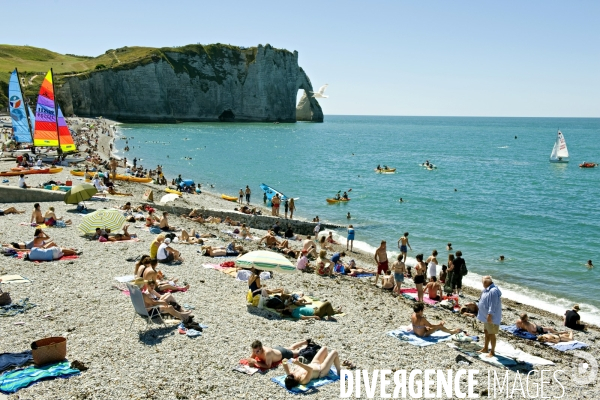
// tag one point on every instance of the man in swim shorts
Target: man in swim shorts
(264, 357)
(381, 260)
(523, 323)
(402, 245)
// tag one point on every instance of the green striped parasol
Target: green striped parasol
(111, 219)
(266, 260)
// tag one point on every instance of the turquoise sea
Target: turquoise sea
(509, 199)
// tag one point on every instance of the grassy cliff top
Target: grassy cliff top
(33, 63)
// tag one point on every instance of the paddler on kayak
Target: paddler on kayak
(345, 196)
(337, 196)
(378, 167)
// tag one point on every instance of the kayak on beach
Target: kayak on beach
(31, 172)
(230, 198)
(173, 191)
(333, 201)
(118, 177)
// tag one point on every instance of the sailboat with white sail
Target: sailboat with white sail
(560, 153)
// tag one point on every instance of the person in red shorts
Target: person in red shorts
(381, 260)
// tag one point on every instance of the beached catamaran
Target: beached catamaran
(50, 127)
(21, 115)
(560, 154)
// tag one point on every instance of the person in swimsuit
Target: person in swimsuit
(11, 210)
(419, 279)
(422, 327)
(164, 223)
(151, 301)
(432, 264)
(434, 289)
(589, 263)
(381, 260)
(292, 207)
(50, 218)
(387, 281)
(36, 215)
(399, 269)
(523, 323)
(469, 310)
(350, 238)
(325, 310)
(302, 374)
(264, 357)
(402, 243)
(556, 337)
(270, 240)
(276, 201)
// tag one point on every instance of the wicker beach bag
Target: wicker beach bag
(49, 350)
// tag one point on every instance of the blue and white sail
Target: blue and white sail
(272, 192)
(18, 114)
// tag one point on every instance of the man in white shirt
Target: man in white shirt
(166, 254)
(98, 185)
(22, 183)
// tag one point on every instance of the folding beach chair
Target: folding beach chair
(139, 307)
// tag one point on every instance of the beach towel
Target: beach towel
(362, 275)
(566, 346)
(500, 361)
(132, 240)
(9, 360)
(406, 335)
(508, 350)
(11, 382)
(17, 307)
(274, 365)
(315, 383)
(41, 226)
(245, 369)
(14, 279)
(413, 295)
(520, 333)
(125, 279)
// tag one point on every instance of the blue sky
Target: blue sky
(457, 58)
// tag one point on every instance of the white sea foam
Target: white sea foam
(521, 294)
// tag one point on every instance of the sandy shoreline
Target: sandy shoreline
(82, 305)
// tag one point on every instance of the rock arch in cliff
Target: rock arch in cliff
(308, 108)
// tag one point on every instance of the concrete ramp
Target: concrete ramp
(13, 194)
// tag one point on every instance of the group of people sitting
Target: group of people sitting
(49, 218)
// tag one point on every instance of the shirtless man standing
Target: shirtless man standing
(276, 201)
(402, 243)
(113, 167)
(381, 260)
(268, 356)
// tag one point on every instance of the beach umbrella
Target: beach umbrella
(79, 193)
(169, 197)
(111, 219)
(266, 261)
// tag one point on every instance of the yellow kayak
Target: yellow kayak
(119, 177)
(172, 191)
(331, 201)
(230, 198)
(385, 171)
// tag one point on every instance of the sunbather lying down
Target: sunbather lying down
(422, 327)
(556, 337)
(325, 310)
(190, 238)
(268, 356)
(231, 250)
(301, 374)
(524, 323)
(119, 237)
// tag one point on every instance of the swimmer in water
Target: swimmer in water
(501, 258)
(589, 264)
(401, 201)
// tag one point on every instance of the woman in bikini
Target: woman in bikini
(422, 327)
(50, 218)
(420, 271)
(556, 337)
(301, 374)
(146, 269)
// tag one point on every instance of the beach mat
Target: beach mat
(562, 346)
(406, 334)
(21, 254)
(315, 383)
(499, 361)
(132, 240)
(314, 302)
(362, 275)
(14, 279)
(411, 294)
(11, 382)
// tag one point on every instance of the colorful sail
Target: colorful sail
(21, 128)
(49, 130)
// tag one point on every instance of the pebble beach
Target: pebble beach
(77, 299)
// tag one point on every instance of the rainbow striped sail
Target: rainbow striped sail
(18, 114)
(51, 131)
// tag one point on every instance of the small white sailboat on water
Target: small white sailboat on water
(560, 153)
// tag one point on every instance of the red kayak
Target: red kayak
(588, 165)
(25, 172)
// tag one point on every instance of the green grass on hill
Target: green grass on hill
(33, 63)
